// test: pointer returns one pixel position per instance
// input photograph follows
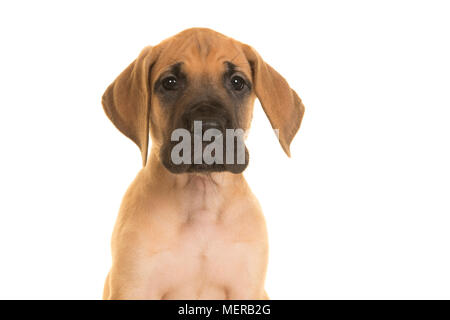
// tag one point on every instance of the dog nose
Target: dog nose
(206, 115)
(206, 123)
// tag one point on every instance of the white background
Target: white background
(361, 210)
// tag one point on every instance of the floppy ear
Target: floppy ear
(281, 104)
(127, 101)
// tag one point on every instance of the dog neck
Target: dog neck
(199, 191)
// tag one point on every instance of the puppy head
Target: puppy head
(194, 94)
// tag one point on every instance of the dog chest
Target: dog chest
(206, 260)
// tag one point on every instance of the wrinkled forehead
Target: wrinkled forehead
(199, 54)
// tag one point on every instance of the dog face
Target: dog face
(204, 78)
(202, 84)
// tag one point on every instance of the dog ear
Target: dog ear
(127, 100)
(281, 104)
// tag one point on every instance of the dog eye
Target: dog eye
(170, 83)
(238, 83)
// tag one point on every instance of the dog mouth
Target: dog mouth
(208, 146)
(206, 139)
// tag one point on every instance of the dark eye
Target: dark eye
(170, 83)
(238, 83)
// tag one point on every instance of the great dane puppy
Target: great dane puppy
(192, 229)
